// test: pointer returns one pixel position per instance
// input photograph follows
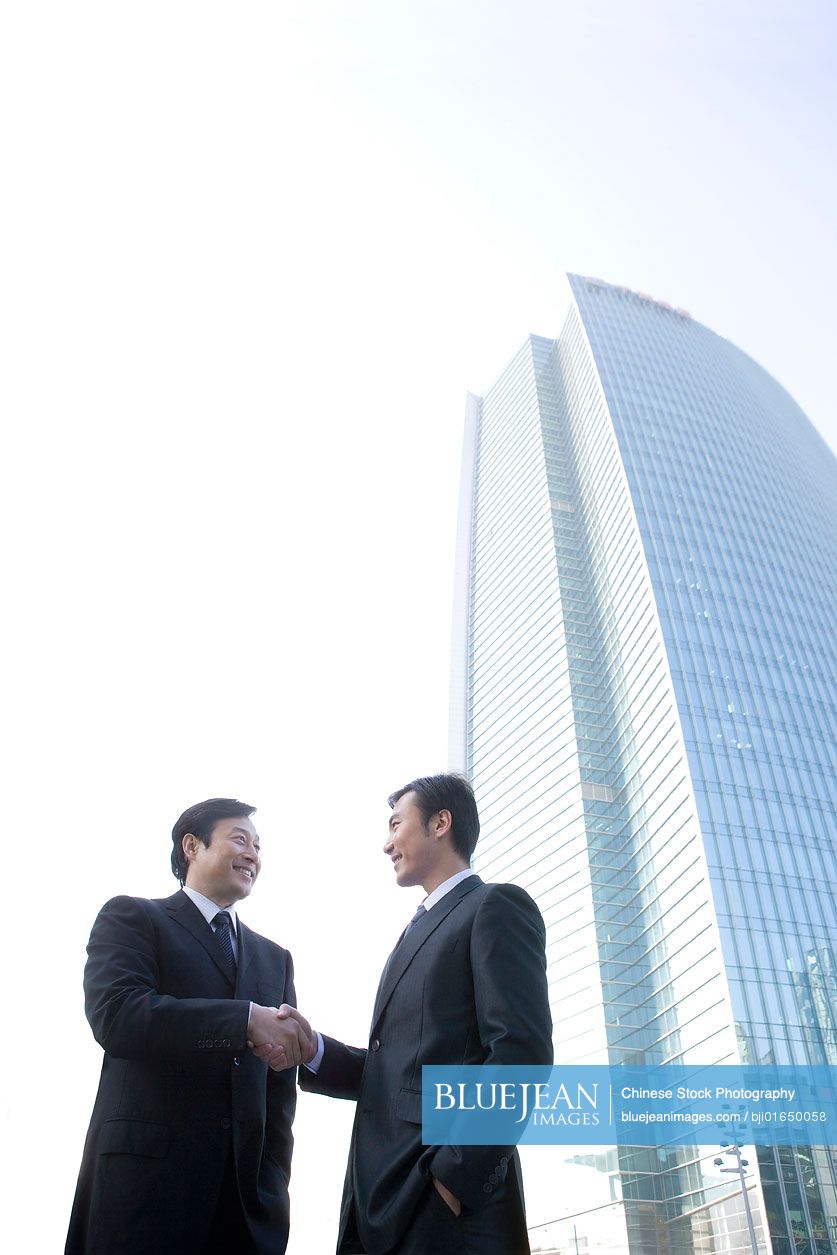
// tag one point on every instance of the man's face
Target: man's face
(410, 844)
(225, 870)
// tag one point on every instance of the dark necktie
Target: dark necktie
(221, 925)
(422, 910)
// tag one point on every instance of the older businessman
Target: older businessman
(189, 1146)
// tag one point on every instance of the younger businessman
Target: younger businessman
(466, 984)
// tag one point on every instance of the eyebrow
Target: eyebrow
(243, 832)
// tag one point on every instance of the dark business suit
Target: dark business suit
(467, 985)
(181, 1099)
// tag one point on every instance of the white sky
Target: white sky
(253, 257)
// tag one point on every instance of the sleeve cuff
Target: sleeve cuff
(313, 1065)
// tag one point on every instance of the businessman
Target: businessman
(465, 984)
(189, 1146)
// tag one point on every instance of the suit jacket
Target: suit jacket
(179, 1089)
(467, 985)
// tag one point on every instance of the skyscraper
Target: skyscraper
(644, 697)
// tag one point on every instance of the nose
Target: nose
(389, 845)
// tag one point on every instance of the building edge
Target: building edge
(460, 631)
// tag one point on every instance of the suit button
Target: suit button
(504, 1163)
(218, 1043)
(226, 1043)
(226, 1122)
(486, 1189)
(493, 1178)
(201, 1045)
(375, 1045)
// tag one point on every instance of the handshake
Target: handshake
(280, 1036)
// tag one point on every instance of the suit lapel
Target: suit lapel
(181, 907)
(407, 949)
(246, 975)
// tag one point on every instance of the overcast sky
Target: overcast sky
(253, 257)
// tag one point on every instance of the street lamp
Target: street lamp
(740, 1165)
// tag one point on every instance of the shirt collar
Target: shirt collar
(446, 886)
(210, 909)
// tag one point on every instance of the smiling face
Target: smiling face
(420, 852)
(225, 870)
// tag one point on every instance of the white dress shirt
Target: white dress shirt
(210, 909)
(446, 886)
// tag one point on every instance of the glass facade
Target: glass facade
(643, 695)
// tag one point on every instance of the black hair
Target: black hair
(447, 792)
(200, 821)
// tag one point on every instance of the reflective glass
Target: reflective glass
(644, 699)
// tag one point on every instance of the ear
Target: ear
(189, 845)
(442, 824)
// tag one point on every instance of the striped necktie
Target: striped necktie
(221, 926)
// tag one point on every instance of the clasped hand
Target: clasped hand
(280, 1036)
